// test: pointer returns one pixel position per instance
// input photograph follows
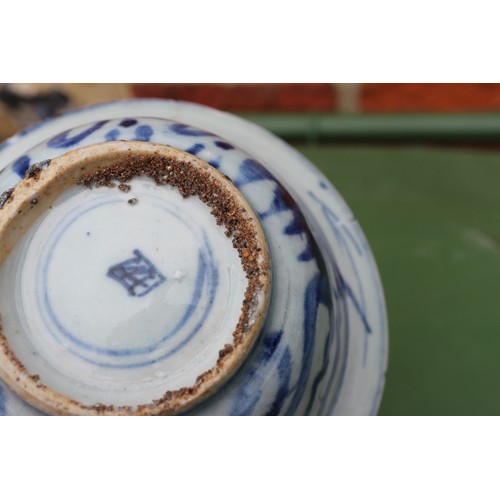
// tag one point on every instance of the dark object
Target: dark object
(44, 105)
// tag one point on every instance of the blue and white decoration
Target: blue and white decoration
(137, 275)
(323, 347)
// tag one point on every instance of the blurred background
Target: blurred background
(419, 165)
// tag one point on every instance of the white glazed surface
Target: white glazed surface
(86, 328)
(338, 366)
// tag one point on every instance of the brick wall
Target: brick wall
(444, 97)
(349, 98)
(248, 97)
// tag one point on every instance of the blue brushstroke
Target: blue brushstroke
(3, 410)
(284, 374)
(306, 255)
(327, 211)
(353, 240)
(270, 344)
(345, 291)
(295, 226)
(382, 327)
(361, 303)
(214, 285)
(277, 205)
(128, 122)
(195, 148)
(112, 135)
(186, 130)
(311, 303)
(340, 354)
(21, 165)
(216, 162)
(325, 299)
(224, 145)
(343, 286)
(248, 394)
(251, 171)
(143, 133)
(24, 132)
(63, 141)
(195, 297)
(282, 201)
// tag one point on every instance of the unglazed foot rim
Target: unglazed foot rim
(101, 164)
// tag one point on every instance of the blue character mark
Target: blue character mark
(137, 275)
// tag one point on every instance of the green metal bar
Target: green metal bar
(417, 127)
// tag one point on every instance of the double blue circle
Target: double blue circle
(207, 275)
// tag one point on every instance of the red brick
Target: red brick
(247, 97)
(430, 97)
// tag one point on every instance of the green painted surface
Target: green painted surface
(455, 127)
(432, 218)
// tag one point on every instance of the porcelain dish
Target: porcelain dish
(161, 257)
